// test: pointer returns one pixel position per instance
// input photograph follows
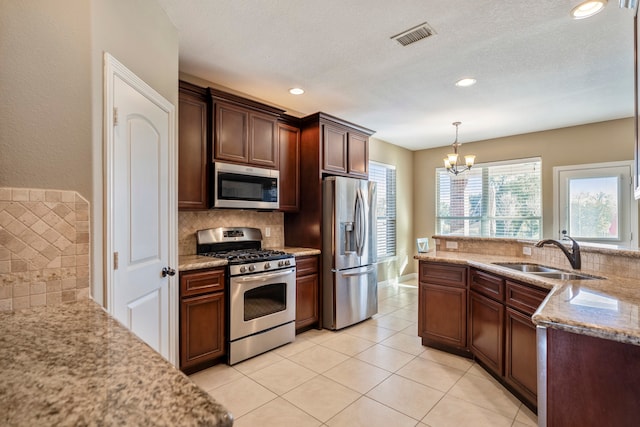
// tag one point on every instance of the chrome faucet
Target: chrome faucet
(573, 256)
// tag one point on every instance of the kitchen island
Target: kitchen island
(588, 335)
(73, 364)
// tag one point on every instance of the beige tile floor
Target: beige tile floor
(372, 374)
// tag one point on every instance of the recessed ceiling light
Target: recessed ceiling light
(466, 82)
(588, 8)
(296, 91)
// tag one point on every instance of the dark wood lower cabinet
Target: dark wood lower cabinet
(591, 381)
(486, 331)
(520, 369)
(442, 315)
(307, 293)
(202, 318)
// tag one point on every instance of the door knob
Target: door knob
(168, 271)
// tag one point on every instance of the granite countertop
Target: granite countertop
(196, 262)
(608, 308)
(73, 364)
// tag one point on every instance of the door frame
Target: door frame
(113, 68)
(631, 215)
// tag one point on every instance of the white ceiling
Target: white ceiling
(536, 68)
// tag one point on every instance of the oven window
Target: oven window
(265, 300)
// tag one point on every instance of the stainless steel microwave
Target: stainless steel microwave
(245, 187)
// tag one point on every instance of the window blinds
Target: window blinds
(491, 200)
(385, 177)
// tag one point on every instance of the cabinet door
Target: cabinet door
(263, 143)
(520, 355)
(201, 329)
(307, 292)
(358, 154)
(442, 315)
(334, 149)
(289, 142)
(192, 152)
(486, 331)
(306, 300)
(231, 133)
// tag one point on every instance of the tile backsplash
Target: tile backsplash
(191, 221)
(598, 260)
(44, 247)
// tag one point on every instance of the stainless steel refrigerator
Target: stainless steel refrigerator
(350, 277)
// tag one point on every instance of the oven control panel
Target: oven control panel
(261, 266)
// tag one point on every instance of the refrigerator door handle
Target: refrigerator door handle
(360, 226)
(369, 270)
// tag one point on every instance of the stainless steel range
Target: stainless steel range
(261, 290)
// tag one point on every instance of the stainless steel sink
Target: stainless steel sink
(567, 276)
(544, 271)
(528, 268)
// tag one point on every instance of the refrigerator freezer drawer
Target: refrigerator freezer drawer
(350, 296)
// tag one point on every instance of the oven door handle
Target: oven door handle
(264, 277)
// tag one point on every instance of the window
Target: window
(385, 177)
(491, 200)
(594, 202)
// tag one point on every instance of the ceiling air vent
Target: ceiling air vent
(414, 34)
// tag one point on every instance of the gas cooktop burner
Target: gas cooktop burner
(249, 255)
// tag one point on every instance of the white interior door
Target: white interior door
(140, 210)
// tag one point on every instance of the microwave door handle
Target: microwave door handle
(264, 277)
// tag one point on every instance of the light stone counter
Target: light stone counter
(196, 262)
(608, 308)
(299, 252)
(73, 364)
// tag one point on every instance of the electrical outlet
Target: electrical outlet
(452, 245)
(526, 250)
(267, 231)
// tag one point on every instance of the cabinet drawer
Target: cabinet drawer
(443, 274)
(524, 298)
(200, 282)
(487, 284)
(306, 265)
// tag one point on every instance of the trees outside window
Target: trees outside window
(492, 200)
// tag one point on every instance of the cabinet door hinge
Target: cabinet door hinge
(115, 260)
(115, 116)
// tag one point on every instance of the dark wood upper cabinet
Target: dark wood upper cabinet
(358, 156)
(334, 148)
(345, 151)
(289, 165)
(245, 131)
(324, 150)
(231, 133)
(193, 137)
(263, 140)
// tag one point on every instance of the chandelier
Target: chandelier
(451, 161)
